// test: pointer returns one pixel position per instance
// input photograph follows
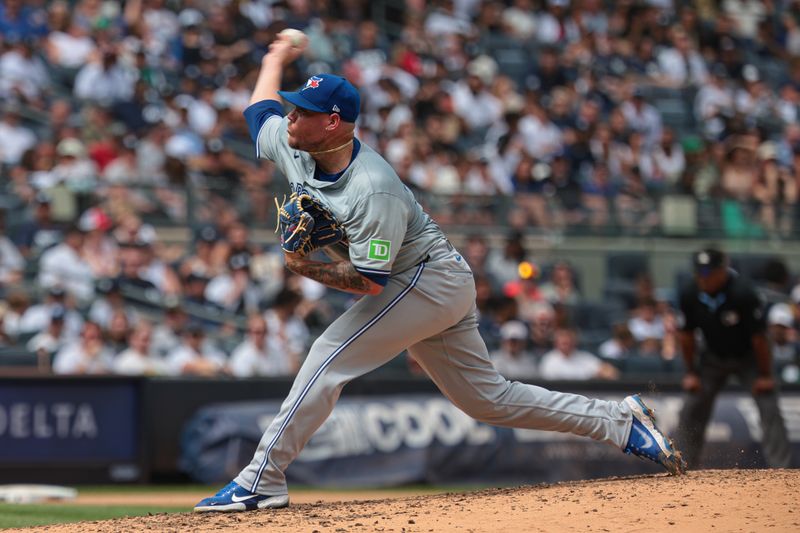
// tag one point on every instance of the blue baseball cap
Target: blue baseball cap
(326, 93)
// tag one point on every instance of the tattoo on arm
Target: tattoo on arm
(340, 275)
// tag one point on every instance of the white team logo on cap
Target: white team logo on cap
(336, 108)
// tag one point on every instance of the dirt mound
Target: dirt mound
(710, 500)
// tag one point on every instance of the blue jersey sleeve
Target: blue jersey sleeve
(257, 114)
(380, 278)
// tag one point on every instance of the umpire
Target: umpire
(730, 314)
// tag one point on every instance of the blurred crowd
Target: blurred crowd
(120, 118)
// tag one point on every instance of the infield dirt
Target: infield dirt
(708, 500)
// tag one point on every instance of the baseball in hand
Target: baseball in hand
(295, 37)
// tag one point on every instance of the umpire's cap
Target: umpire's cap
(709, 259)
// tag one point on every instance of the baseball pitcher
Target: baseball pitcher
(418, 291)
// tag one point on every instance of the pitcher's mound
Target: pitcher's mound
(708, 500)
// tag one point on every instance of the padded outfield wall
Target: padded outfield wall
(384, 432)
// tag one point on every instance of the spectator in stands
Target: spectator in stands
(567, 187)
(621, 344)
(19, 21)
(15, 138)
(476, 253)
(286, 331)
(87, 355)
(561, 289)
(681, 64)
(739, 170)
(37, 317)
(167, 332)
(130, 230)
(23, 75)
(503, 264)
(109, 300)
(555, 25)
(69, 45)
(541, 138)
(132, 262)
(647, 327)
(566, 362)
(156, 270)
(526, 291)
(642, 117)
(669, 162)
(73, 166)
(258, 356)
(64, 266)
(550, 72)
(123, 167)
(520, 19)
(234, 289)
(531, 182)
(754, 98)
(497, 310)
(782, 333)
(443, 21)
(201, 261)
(670, 348)
(50, 341)
(11, 261)
(41, 232)
(196, 356)
(18, 302)
(99, 249)
(746, 15)
(472, 100)
(599, 193)
(786, 108)
(634, 208)
(118, 330)
(543, 323)
(197, 303)
(512, 360)
(714, 102)
(5, 338)
(236, 242)
(139, 359)
(775, 189)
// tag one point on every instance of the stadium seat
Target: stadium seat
(596, 316)
(626, 266)
(17, 356)
(642, 366)
(649, 366)
(752, 266)
(622, 270)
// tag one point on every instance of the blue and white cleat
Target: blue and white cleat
(647, 441)
(232, 498)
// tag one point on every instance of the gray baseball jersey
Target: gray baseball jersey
(387, 230)
(427, 306)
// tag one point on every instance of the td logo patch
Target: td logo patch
(379, 250)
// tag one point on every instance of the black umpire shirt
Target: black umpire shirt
(727, 319)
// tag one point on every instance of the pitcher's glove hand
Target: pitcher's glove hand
(305, 225)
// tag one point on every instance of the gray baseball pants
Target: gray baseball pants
(429, 310)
